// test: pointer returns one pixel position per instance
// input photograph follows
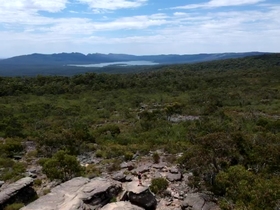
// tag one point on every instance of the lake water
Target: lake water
(122, 63)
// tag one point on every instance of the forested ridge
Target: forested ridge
(231, 145)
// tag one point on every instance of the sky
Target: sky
(139, 27)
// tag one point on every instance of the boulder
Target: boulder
(159, 165)
(1, 183)
(77, 194)
(128, 165)
(167, 205)
(139, 195)
(20, 191)
(143, 168)
(199, 201)
(174, 170)
(122, 205)
(119, 176)
(174, 177)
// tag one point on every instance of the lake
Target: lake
(122, 63)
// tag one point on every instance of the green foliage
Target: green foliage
(128, 156)
(174, 108)
(11, 170)
(14, 206)
(11, 147)
(156, 157)
(37, 182)
(229, 111)
(248, 190)
(158, 185)
(112, 129)
(92, 171)
(46, 191)
(114, 165)
(62, 166)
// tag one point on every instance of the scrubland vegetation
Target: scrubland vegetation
(232, 148)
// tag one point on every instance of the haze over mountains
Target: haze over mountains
(79, 58)
(54, 64)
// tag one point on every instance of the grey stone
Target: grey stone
(77, 194)
(139, 195)
(1, 183)
(122, 205)
(174, 177)
(199, 201)
(32, 175)
(128, 165)
(128, 178)
(18, 191)
(174, 170)
(157, 175)
(144, 168)
(159, 165)
(182, 118)
(119, 176)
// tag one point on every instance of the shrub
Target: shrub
(14, 206)
(92, 170)
(156, 157)
(128, 156)
(248, 190)
(99, 153)
(37, 182)
(115, 165)
(62, 166)
(159, 185)
(46, 191)
(11, 170)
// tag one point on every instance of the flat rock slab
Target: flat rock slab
(144, 168)
(13, 188)
(128, 165)
(159, 165)
(174, 170)
(122, 205)
(199, 201)
(133, 187)
(76, 194)
(174, 177)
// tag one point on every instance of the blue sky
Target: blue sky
(138, 26)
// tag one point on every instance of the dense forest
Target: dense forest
(230, 142)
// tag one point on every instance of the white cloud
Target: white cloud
(219, 3)
(33, 5)
(26, 31)
(101, 5)
(21, 12)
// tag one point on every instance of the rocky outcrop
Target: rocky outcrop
(122, 177)
(128, 165)
(143, 168)
(121, 206)
(140, 196)
(20, 192)
(199, 201)
(174, 175)
(1, 183)
(77, 194)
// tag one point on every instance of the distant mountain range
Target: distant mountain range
(79, 58)
(49, 63)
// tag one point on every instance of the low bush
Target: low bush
(156, 157)
(159, 185)
(14, 206)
